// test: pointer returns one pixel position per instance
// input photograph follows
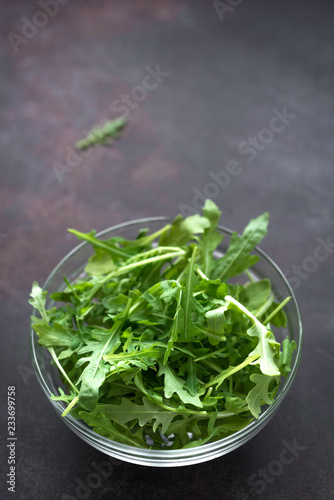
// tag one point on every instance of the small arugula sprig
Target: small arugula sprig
(156, 341)
(111, 129)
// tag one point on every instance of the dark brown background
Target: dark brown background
(225, 78)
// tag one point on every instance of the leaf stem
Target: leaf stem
(275, 311)
(264, 306)
(200, 272)
(251, 278)
(56, 360)
(70, 406)
(211, 365)
(95, 242)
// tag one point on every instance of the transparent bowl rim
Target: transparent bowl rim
(169, 455)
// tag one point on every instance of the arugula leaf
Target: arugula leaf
(216, 320)
(100, 263)
(103, 134)
(267, 347)
(259, 393)
(219, 379)
(211, 237)
(95, 371)
(285, 356)
(192, 384)
(188, 302)
(254, 295)
(237, 258)
(38, 300)
(54, 336)
(128, 411)
(109, 246)
(173, 383)
(102, 425)
(183, 230)
(177, 326)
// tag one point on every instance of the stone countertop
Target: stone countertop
(229, 100)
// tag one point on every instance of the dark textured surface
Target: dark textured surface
(226, 79)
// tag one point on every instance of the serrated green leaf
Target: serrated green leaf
(102, 425)
(38, 300)
(96, 369)
(175, 384)
(54, 336)
(127, 411)
(266, 348)
(259, 394)
(237, 257)
(192, 383)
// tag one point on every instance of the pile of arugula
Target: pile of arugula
(155, 342)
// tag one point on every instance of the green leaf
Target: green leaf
(107, 246)
(145, 240)
(54, 336)
(254, 295)
(176, 328)
(102, 134)
(128, 411)
(212, 213)
(180, 429)
(259, 394)
(237, 258)
(212, 288)
(119, 388)
(184, 230)
(100, 263)
(211, 237)
(95, 371)
(216, 319)
(192, 383)
(188, 302)
(38, 300)
(102, 425)
(175, 384)
(235, 404)
(266, 348)
(219, 379)
(285, 356)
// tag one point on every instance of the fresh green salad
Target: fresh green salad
(155, 344)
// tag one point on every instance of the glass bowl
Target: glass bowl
(73, 264)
